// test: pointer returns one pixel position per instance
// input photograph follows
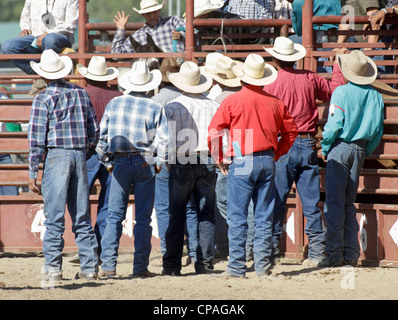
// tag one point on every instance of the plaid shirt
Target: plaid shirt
(62, 116)
(189, 116)
(65, 12)
(161, 34)
(252, 9)
(132, 122)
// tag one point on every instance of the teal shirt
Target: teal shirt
(321, 8)
(355, 113)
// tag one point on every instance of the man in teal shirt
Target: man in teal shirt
(353, 131)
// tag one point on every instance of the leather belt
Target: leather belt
(306, 135)
(134, 153)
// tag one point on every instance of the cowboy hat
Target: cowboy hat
(138, 78)
(223, 72)
(202, 7)
(357, 67)
(149, 6)
(286, 50)
(211, 61)
(168, 65)
(97, 70)
(191, 78)
(52, 66)
(256, 71)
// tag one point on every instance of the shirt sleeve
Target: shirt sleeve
(120, 44)
(161, 138)
(375, 141)
(334, 123)
(216, 130)
(25, 22)
(37, 134)
(92, 130)
(324, 87)
(70, 22)
(102, 147)
(288, 134)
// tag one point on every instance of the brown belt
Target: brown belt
(134, 153)
(306, 135)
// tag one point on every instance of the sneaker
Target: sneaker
(106, 274)
(52, 276)
(227, 275)
(311, 263)
(264, 275)
(86, 276)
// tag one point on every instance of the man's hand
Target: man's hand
(33, 186)
(40, 40)
(25, 32)
(157, 168)
(224, 167)
(325, 158)
(176, 35)
(121, 20)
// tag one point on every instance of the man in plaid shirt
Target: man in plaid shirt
(162, 30)
(64, 128)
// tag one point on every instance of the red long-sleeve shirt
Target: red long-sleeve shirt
(300, 89)
(255, 120)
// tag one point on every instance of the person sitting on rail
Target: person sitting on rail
(162, 30)
(45, 25)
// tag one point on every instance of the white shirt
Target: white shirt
(65, 12)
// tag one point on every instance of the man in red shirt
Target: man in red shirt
(97, 75)
(299, 90)
(252, 119)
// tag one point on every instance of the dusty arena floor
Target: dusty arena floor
(20, 279)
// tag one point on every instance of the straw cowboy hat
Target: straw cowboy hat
(97, 70)
(202, 7)
(149, 6)
(168, 65)
(222, 71)
(138, 78)
(286, 50)
(357, 67)
(52, 66)
(256, 71)
(191, 78)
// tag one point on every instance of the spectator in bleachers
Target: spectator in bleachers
(97, 75)
(378, 18)
(162, 30)
(63, 128)
(45, 25)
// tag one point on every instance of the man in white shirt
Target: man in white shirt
(45, 24)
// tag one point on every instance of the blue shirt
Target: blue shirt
(62, 116)
(132, 122)
(355, 113)
(320, 8)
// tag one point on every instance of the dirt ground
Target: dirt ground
(20, 279)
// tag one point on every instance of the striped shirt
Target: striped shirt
(100, 95)
(62, 116)
(252, 9)
(132, 122)
(188, 117)
(65, 13)
(161, 34)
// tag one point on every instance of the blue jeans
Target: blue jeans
(300, 165)
(162, 214)
(185, 180)
(7, 190)
(96, 170)
(65, 183)
(345, 161)
(129, 171)
(22, 45)
(221, 239)
(251, 178)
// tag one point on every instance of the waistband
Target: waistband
(306, 135)
(134, 153)
(361, 142)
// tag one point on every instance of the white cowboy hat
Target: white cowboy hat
(211, 61)
(149, 6)
(168, 65)
(97, 70)
(138, 78)
(357, 67)
(191, 78)
(202, 7)
(286, 50)
(256, 71)
(223, 72)
(52, 66)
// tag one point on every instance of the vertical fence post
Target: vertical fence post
(82, 32)
(189, 31)
(308, 35)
